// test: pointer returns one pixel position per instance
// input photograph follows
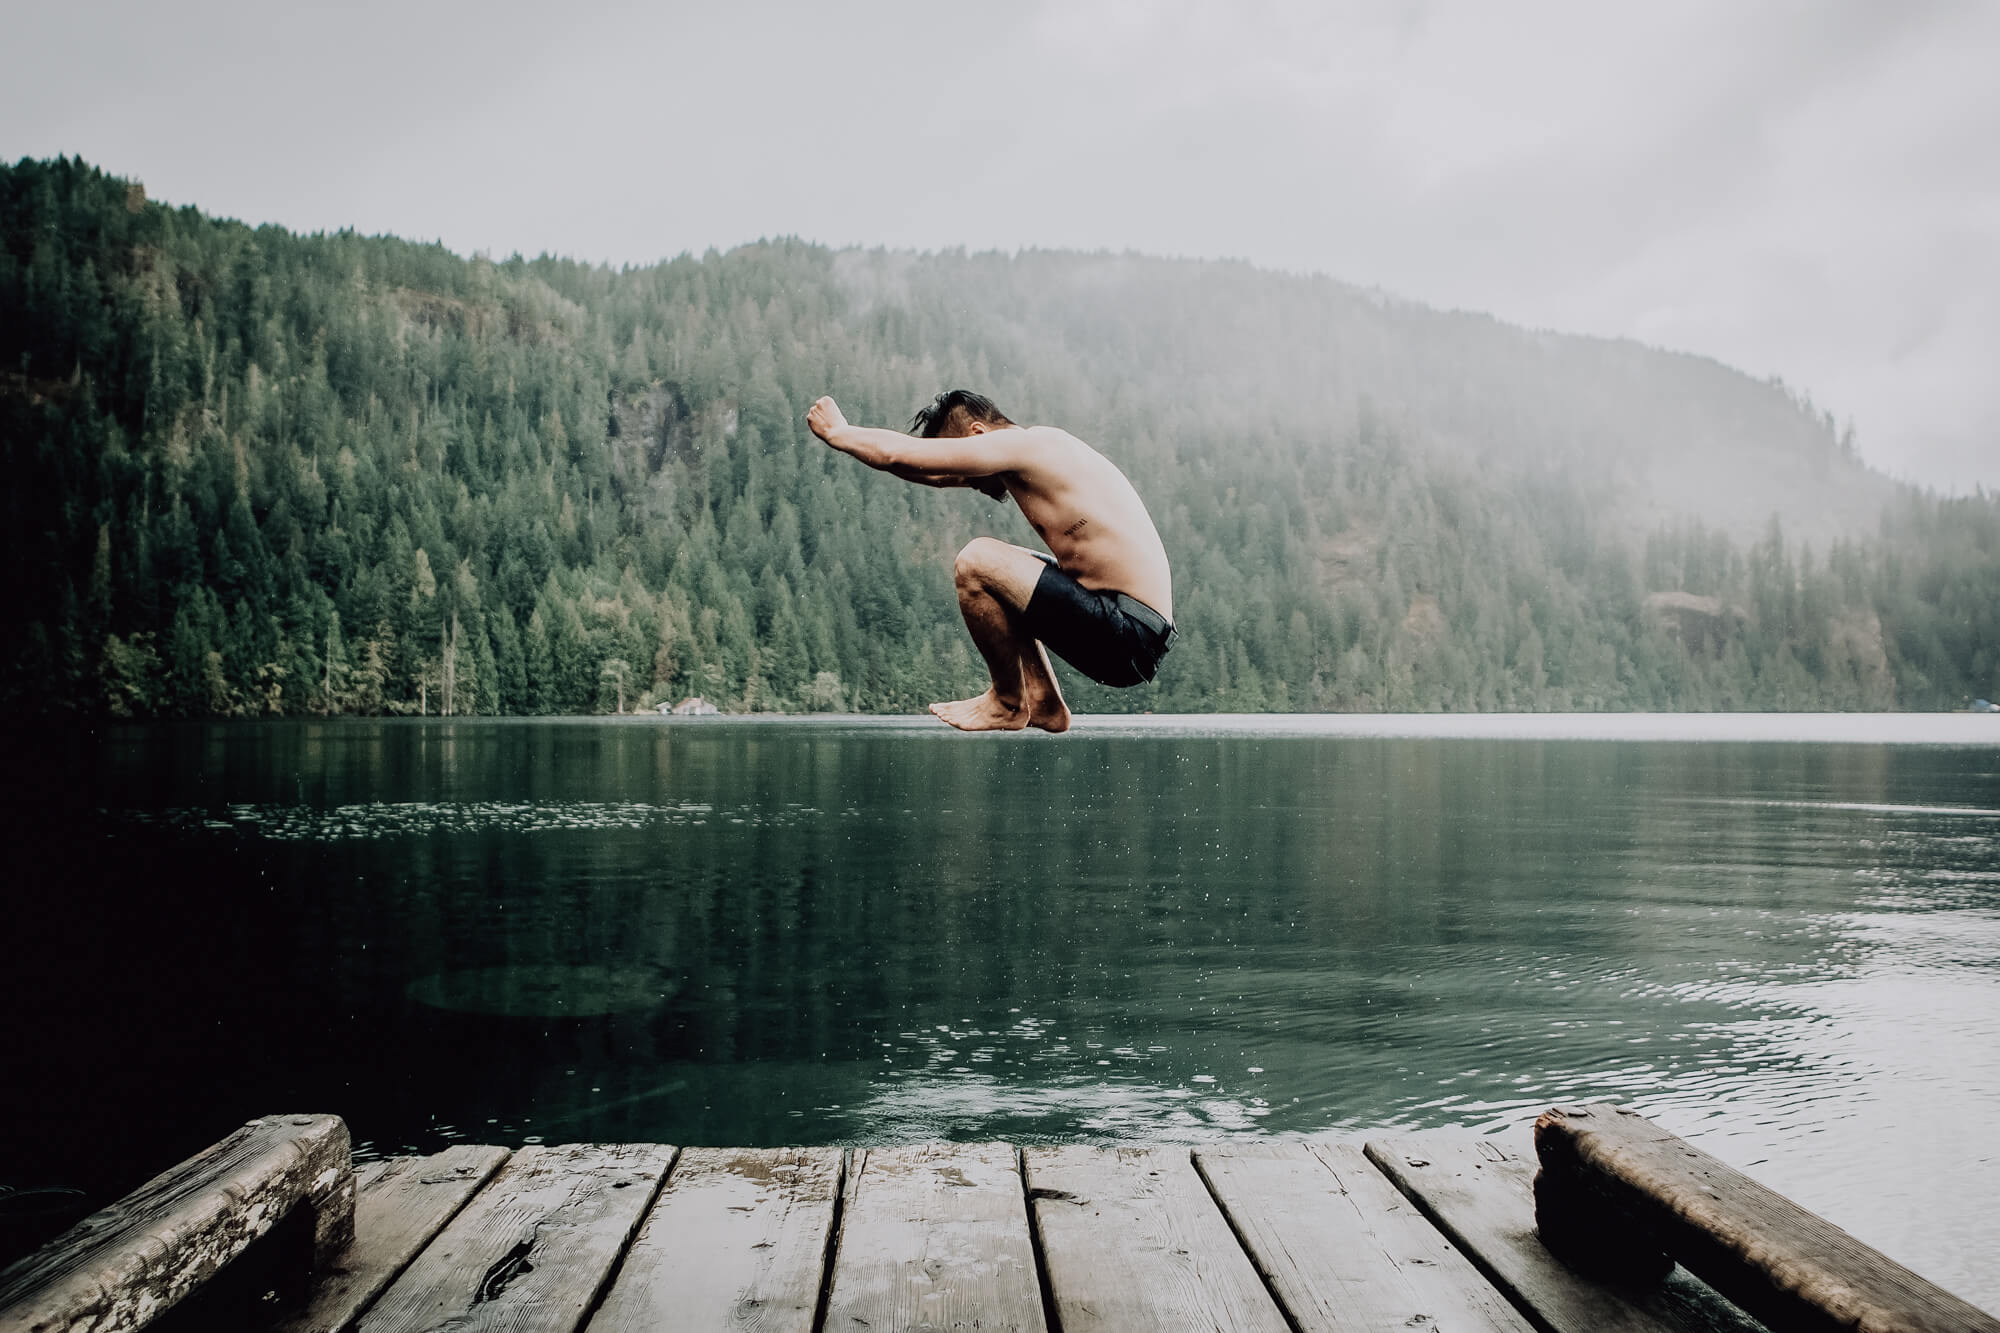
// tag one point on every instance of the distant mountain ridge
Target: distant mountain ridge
(253, 472)
(1673, 436)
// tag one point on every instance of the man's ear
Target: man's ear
(978, 428)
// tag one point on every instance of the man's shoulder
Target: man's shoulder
(1049, 438)
(1023, 446)
(1055, 452)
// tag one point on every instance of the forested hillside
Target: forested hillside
(254, 473)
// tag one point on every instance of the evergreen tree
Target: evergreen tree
(335, 684)
(539, 659)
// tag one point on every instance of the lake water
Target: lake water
(1779, 936)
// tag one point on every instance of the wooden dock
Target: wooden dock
(1424, 1232)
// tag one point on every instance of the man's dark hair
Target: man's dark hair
(952, 411)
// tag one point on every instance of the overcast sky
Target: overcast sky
(1802, 188)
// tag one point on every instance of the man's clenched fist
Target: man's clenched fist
(824, 417)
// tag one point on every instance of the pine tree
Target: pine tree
(128, 670)
(614, 677)
(512, 693)
(371, 675)
(335, 672)
(540, 666)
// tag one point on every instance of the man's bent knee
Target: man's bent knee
(989, 567)
(978, 558)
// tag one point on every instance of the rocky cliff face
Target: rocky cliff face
(1702, 625)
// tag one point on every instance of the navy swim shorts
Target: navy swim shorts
(1111, 637)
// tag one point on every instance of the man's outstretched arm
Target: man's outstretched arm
(965, 457)
(991, 487)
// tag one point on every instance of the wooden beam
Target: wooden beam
(532, 1249)
(402, 1203)
(1132, 1240)
(1341, 1248)
(934, 1237)
(125, 1264)
(1622, 1173)
(737, 1240)
(1480, 1196)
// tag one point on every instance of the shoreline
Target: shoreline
(1926, 729)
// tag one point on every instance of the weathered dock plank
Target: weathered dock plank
(1482, 1198)
(934, 1237)
(1341, 1247)
(123, 1265)
(1630, 1178)
(1131, 1239)
(401, 1204)
(738, 1240)
(1253, 1236)
(532, 1249)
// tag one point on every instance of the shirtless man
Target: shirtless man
(1105, 603)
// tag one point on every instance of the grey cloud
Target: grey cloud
(1804, 189)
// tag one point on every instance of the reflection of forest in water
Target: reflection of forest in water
(789, 932)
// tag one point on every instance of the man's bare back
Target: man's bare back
(1107, 604)
(1088, 514)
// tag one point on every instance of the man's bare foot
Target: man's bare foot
(985, 712)
(1041, 693)
(1049, 712)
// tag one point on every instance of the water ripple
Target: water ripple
(420, 819)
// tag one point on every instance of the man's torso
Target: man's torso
(1091, 518)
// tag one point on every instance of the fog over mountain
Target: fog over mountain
(1654, 437)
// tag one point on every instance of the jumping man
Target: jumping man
(1104, 603)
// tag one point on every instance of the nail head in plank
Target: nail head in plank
(1481, 1197)
(123, 1265)
(532, 1249)
(1341, 1247)
(1624, 1174)
(402, 1203)
(934, 1237)
(737, 1240)
(1132, 1239)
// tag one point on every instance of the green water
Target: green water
(717, 931)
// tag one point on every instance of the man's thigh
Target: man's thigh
(1011, 572)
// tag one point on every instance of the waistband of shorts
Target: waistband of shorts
(1144, 614)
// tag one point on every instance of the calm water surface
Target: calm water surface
(720, 931)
